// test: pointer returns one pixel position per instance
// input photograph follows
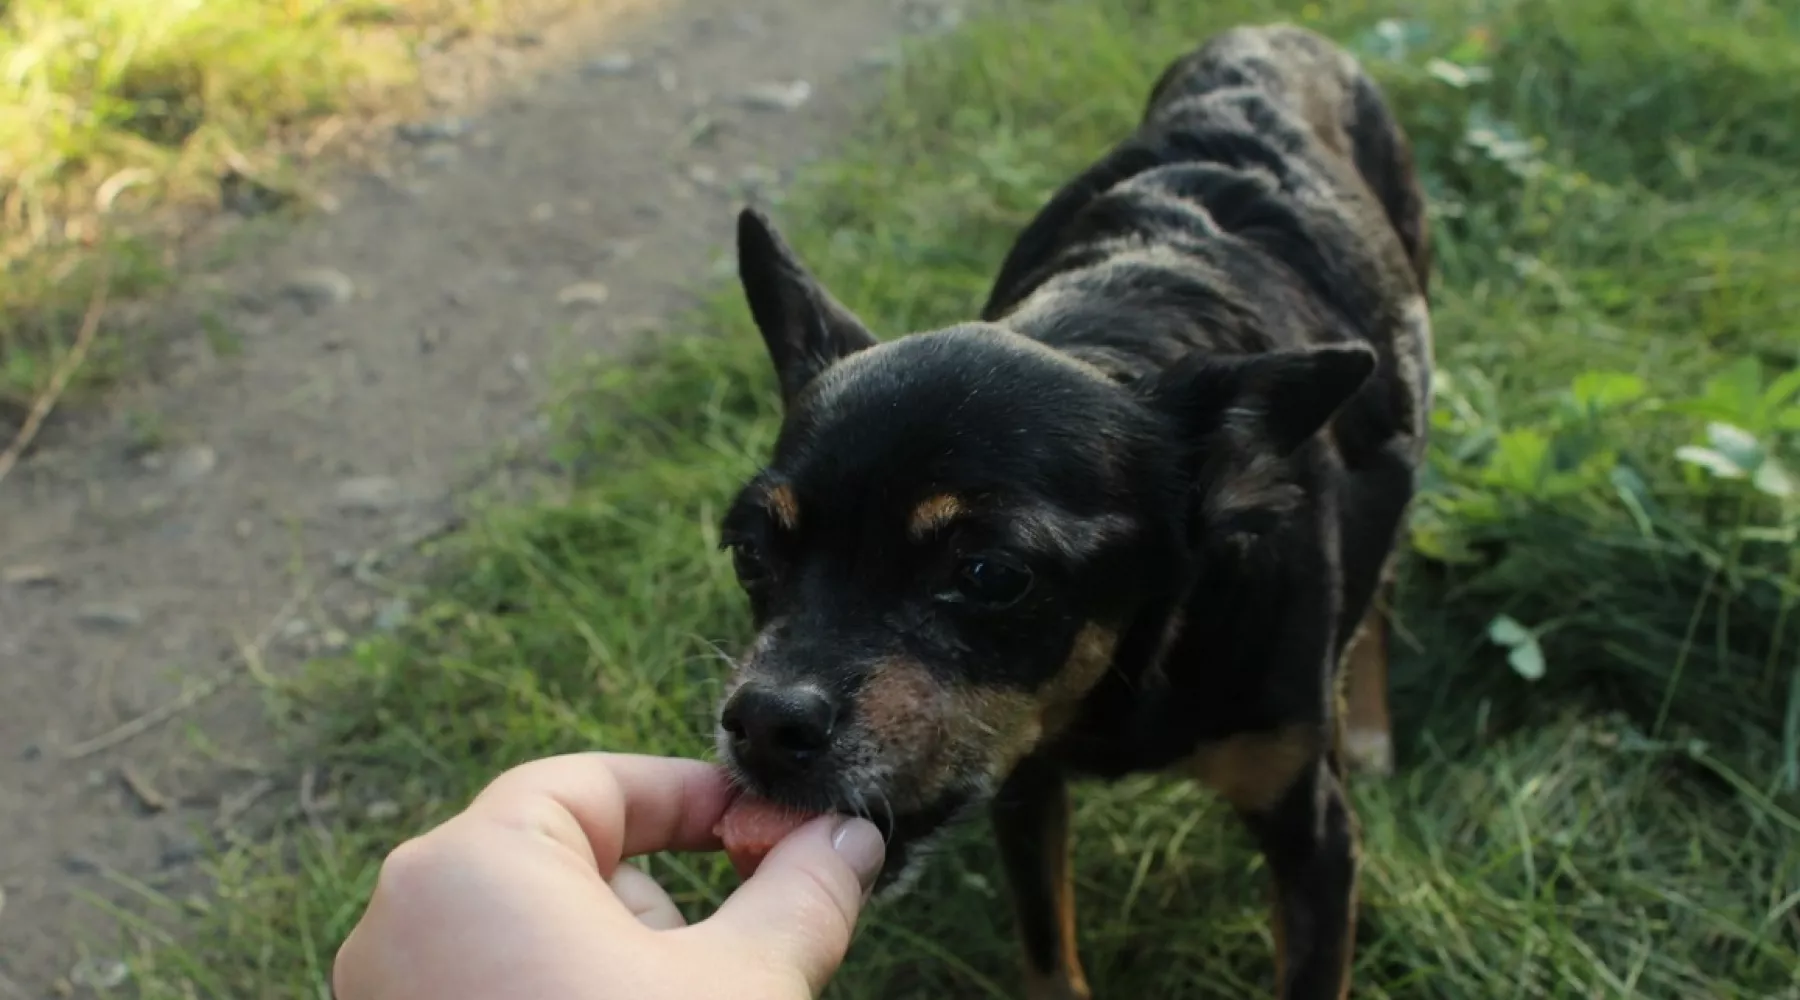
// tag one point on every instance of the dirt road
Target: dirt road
(325, 398)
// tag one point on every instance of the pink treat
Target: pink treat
(752, 826)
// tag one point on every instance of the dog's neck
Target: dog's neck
(1183, 652)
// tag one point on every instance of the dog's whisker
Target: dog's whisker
(887, 813)
(720, 653)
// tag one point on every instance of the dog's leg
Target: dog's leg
(1308, 837)
(1368, 730)
(1031, 825)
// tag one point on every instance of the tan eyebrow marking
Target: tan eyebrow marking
(783, 505)
(934, 514)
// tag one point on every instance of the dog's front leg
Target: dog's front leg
(1031, 825)
(1309, 837)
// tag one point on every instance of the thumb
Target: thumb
(800, 907)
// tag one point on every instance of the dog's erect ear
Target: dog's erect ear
(1245, 414)
(806, 330)
(1277, 400)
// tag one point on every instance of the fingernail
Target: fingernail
(859, 843)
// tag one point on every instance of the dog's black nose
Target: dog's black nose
(779, 728)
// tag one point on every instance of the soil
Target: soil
(330, 394)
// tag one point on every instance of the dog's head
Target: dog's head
(955, 534)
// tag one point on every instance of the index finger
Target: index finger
(612, 806)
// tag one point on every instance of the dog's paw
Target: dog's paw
(1369, 752)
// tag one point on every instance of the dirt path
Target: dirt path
(385, 351)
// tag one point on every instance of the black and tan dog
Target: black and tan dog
(1135, 519)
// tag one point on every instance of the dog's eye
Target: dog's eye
(992, 580)
(748, 562)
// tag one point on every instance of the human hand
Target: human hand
(525, 895)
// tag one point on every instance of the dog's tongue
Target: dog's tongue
(752, 826)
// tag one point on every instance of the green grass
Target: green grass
(1618, 238)
(117, 117)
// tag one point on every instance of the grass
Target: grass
(1599, 685)
(117, 118)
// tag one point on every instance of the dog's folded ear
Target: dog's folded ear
(1279, 399)
(1243, 415)
(805, 329)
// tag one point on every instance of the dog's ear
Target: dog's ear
(805, 329)
(1245, 414)
(1278, 399)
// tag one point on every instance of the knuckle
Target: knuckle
(408, 866)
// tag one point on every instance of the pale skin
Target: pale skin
(526, 895)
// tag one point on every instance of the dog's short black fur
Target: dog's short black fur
(1132, 520)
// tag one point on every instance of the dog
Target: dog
(1139, 517)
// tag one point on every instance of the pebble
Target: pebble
(932, 18)
(393, 614)
(29, 575)
(584, 293)
(118, 617)
(370, 494)
(99, 973)
(382, 810)
(703, 175)
(778, 96)
(193, 463)
(439, 155)
(436, 130)
(879, 58)
(179, 850)
(610, 64)
(756, 180)
(320, 287)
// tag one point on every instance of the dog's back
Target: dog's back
(1266, 200)
(1322, 85)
